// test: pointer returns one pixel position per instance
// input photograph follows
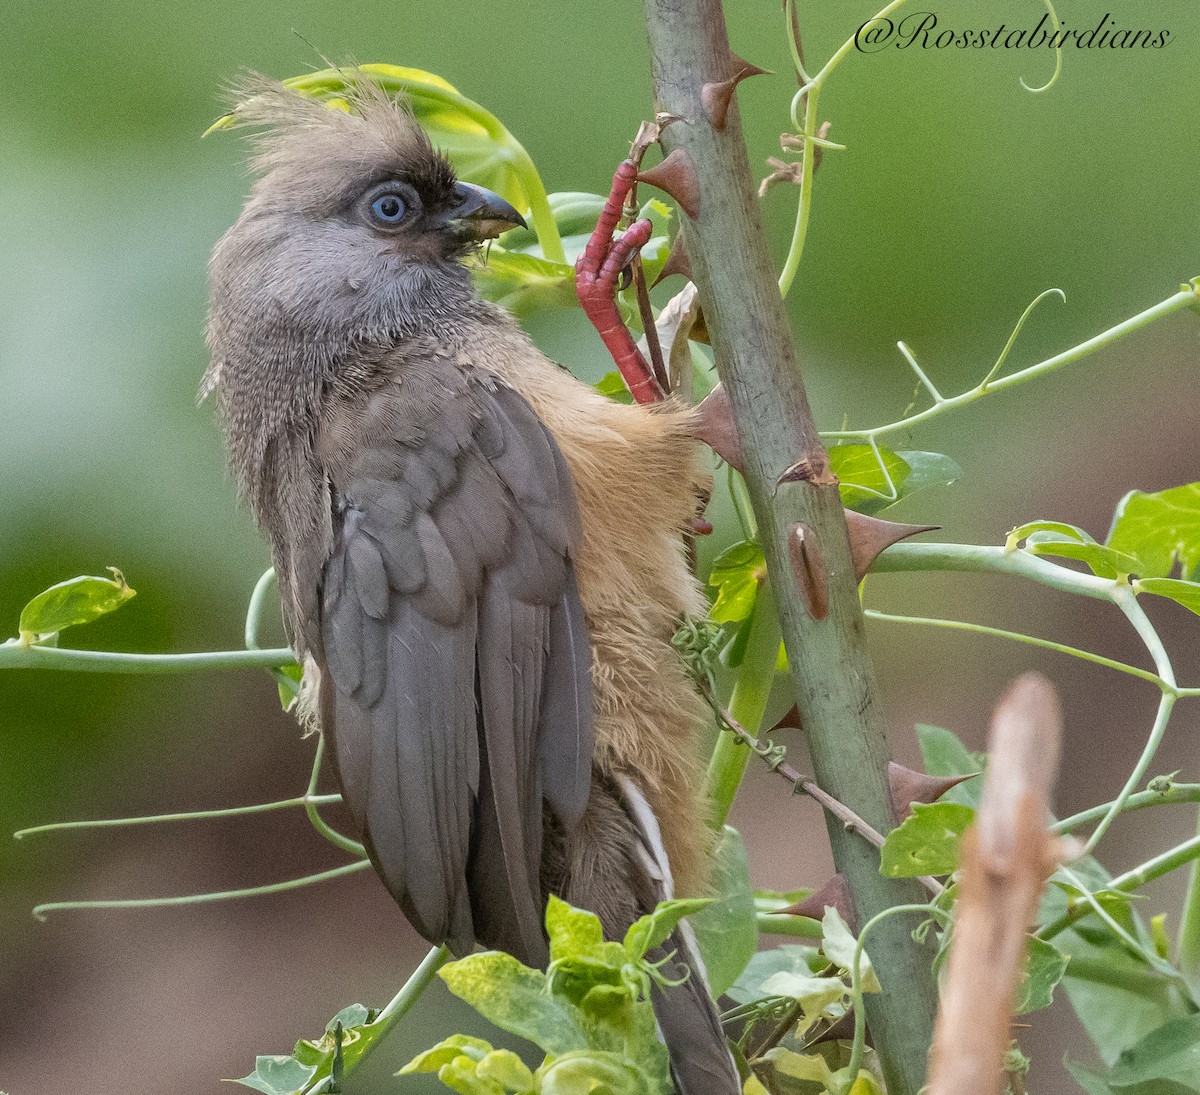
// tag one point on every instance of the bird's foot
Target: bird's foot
(596, 275)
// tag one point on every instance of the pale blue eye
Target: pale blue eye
(389, 208)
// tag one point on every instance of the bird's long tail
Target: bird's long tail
(687, 1017)
(614, 864)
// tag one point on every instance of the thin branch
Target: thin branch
(773, 756)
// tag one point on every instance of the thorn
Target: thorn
(676, 177)
(835, 892)
(714, 426)
(908, 787)
(808, 565)
(715, 96)
(677, 262)
(870, 535)
(790, 721)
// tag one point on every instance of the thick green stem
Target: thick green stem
(1175, 792)
(397, 1008)
(1181, 856)
(831, 669)
(747, 705)
(17, 655)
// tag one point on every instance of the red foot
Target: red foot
(596, 275)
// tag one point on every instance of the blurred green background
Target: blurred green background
(960, 198)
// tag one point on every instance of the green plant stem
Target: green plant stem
(1161, 717)
(192, 815)
(856, 993)
(747, 705)
(1187, 944)
(804, 207)
(799, 927)
(254, 609)
(399, 1006)
(17, 655)
(1186, 297)
(1176, 792)
(254, 612)
(1180, 856)
(1016, 636)
(832, 675)
(809, 94)
(1103, 972)
(204, 898)
(314, 815)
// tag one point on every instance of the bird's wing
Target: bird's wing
(458, 690)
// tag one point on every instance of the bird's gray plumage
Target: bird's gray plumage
(454, 678)
(393, 436)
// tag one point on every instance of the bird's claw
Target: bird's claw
(602, 263)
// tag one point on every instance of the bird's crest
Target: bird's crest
(364, 132)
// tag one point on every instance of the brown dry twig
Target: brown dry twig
(1005, 859)
(774, 755)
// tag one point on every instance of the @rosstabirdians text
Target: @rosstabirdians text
(923, 30)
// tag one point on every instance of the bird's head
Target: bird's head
(353, 235)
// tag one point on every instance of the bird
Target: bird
(481, 559)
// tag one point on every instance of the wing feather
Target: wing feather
(458, 691)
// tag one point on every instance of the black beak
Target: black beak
(482, 215)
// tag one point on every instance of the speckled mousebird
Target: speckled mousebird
(480, 557)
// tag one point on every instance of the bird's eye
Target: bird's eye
(389, 208)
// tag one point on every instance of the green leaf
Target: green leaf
(648, 931)
(462, 1075)
(278, 1076)
(613, 385)
(1116, 996)
(506, 1069)
(523, 283)
(944, 755)
(1170, 1053)
(516, 999)
(1185, 593)
(863, 485)
(927, 469)
(789, 958)
(926, 842)
(572, 931)
(593, 1073)
(1104, 562)
(457, 1045)
(814, 993)
(811, 1067)
(1091, 1082)
(1045, 966)
(76, 601)
(840, 945)
(1160, 529)
(575, 215)
(287, 680)
(736, 574)
(727, 931)
(1065, 541)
